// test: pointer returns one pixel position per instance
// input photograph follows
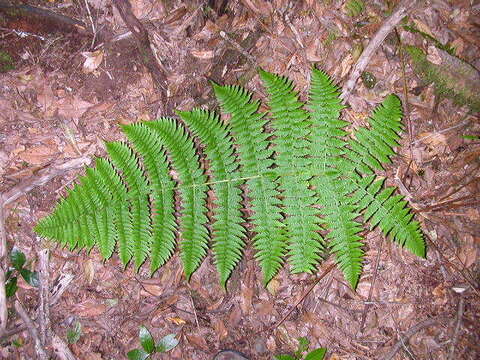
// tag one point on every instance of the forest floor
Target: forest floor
(66, 87)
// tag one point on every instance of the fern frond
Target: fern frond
(156, 165)
(291, 127)
(389, 213)
(125, 160)
(108, 178)
(330, 167)
(227, 229)
(255, 157)
(374, 146)
(193, 220)
(97, 198)
(305, 172)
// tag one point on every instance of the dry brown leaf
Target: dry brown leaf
(89, 270)
(89, 308)
(93, 356)
(151, 290)
(246, 295)
(468, 255)
(423, 27)
(197, 341)
(38, 154)
(273, 286)
(235, 317)
(312, 49)
(220, 329)
(72, 107)
(92, 60)
(202, 54)
(176, 320)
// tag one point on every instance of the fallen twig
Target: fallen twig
(402, 9)
(461, 306)
(61, 349)
(39, 350)
(370, 292)
(324, 273)
(58, 19)
(41, 178)
(143, 43)
(44, 293)
(412, 331)
(3, 270)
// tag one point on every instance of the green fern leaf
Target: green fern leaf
(156, 165)
(227, 230)
(125, 160)
(108, 179)
(255, 157)
(193, 231)
(291, 127)
(328, 148)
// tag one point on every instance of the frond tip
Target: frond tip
(289, 173)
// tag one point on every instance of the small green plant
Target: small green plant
(18, 260)
(167, 343)
(369, 80)
(6, 62)
(354, 7)
(303, 347)
(74, 332)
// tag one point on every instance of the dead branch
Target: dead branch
(40, 351)
(412, 331)
(41, 178)
(402, 9)
(61, 349)
(32, 11)
(461, 306)
(143, 43)
(3, 270)
(44, 292)
(372, 285)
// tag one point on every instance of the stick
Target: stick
(143, 44)
(3, 269)
(41, 178)
(460, 310)
(400, 12)
(43, 13)
(41, 354)
(61, 349)
(44, 292)
(412, 331)
(325, 272)
(370, 292)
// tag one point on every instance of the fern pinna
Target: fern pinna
(303, 176)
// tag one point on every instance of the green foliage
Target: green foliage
(18, 260)
(369, 80)
(302, 173)
(452, 77)
(6, 62)
(354, 7)
(303, 346)
(74, 332)
(149, 347)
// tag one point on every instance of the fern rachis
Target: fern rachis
(306, 160)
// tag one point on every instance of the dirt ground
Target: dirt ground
(65, 89)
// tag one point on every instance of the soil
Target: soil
(67, 87)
